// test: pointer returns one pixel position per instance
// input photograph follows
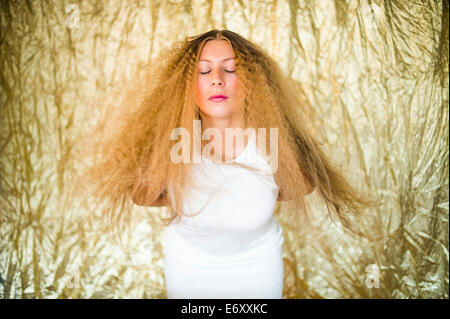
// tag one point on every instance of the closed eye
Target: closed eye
(224, 70)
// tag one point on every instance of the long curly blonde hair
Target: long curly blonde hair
(132, 146)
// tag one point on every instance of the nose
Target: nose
(217, 79)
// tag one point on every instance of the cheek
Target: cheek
(200, 90)
(237, 90)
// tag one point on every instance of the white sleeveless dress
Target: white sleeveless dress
(233, 247)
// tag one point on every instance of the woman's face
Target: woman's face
(216, 76)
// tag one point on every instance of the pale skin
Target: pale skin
(216, 76)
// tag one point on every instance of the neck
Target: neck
(222, 124)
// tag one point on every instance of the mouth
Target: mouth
(218, 98)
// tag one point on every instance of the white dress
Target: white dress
(233, 247)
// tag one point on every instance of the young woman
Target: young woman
(222, 240)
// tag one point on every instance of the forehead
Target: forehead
(216, 50)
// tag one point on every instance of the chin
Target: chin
(219, 115)
(218, 111)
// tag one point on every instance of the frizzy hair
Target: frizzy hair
(131, 158)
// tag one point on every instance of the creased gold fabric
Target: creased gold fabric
(374, 75)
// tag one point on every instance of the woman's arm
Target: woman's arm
(161, 201)
(140, 200)
(283, 197)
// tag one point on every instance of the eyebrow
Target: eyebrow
(210, 60)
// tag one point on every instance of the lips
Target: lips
(218, 98)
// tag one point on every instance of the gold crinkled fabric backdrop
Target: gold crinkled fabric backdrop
(374, 75)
